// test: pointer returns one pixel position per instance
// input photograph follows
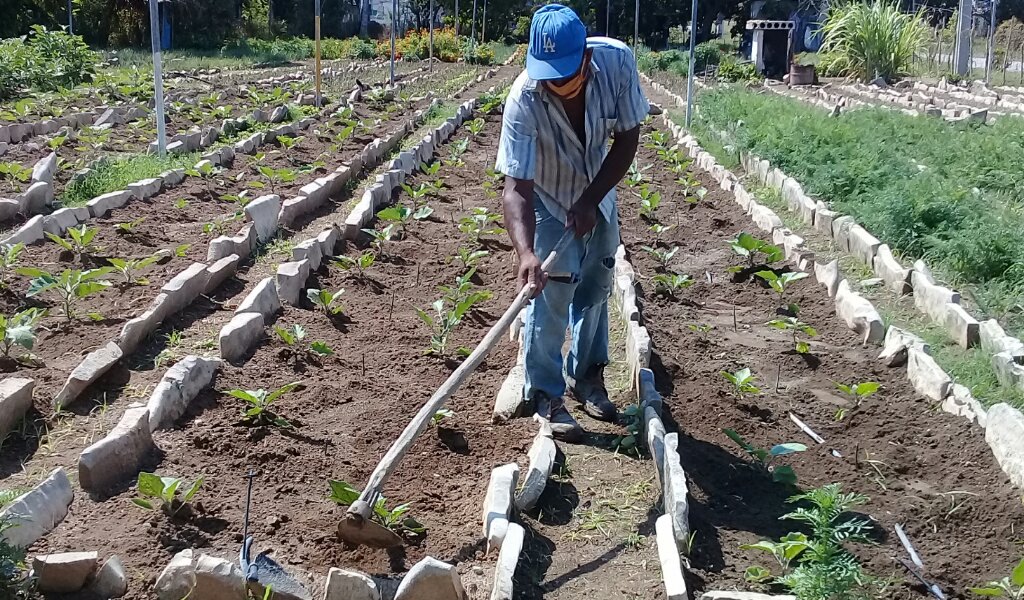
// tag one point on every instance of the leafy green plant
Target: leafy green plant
(402, 215)
(749, 247)
(14, 171)
(630, 441)
(1010, 587)
(440, 415)
(780, 283)
(276, 177)
(478, 223)
(476, 126)
(795, 326)
(395, 519)
(857, 392)
(163, 491)
(635, 176)
(259, 402)
(874, 39)
(469, 257)
(129, 268)
(765, 458)
(650, 200)
(663, 257)
(207, 172)
(9, 255)
(326, 300)
(700, 329)
(79, 240)
(823, 567)
(129, 226)
(380, 237)
(14, 581)
(455, 152)
(294, 337)
(19, 330)
(667, 284)
(462, 291)
(70, 285)
(419, 192)
(742, 382)
(361, 263)
(446, 318)
(657, 229)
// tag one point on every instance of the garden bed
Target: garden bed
(930, 472)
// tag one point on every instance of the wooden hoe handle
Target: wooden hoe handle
(363, 506)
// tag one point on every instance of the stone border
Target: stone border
(861, 95)
(1002, 434)
(36, 512)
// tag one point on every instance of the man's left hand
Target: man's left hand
(582, 218)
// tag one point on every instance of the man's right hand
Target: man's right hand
(530, 272)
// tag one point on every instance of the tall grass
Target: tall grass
(950, 193)
(114, 174)
(873, 40)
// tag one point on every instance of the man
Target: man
(575, 94)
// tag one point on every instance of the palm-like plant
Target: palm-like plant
(873, 39)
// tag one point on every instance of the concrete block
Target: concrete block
(63, 573)
(291, 279)
(15, 401)
(239, 335)
(179, 385)
(926, 375)
(1004, 433)
(117, 456)
(36, 512)
(542, 459)
(95, 364)
(263, 299)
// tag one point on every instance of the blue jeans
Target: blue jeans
(576, 296)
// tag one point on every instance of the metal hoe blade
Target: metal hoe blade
(359, 530)
(262, 569)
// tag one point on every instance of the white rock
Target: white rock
(262, 299)
(238, 336)
(895, 275)
(186, 286)
(894, 349)
(263, 213)
(668, 557)
(1004, 433)
(308, 250)
(962, 327)
(675, 491)
(542, 459)
(101, 205)
(343, 584)
(329, 239)
(764, 217)
(241, 244)
(859, 314)
(217, 579)
(36, 512)
(45, 168)
(15, 400)
(962, 403)
(111, 580)
(716, 595)
(118, 455)
(63, 573)
(433, 579)
(179, 385)
(498, 502)
(220, 271)
(931, 299)
(36, 198)
(292, 209)
(509, 401)
(1008, 371)
(178, 578)
(63, 219)
(291, 279)
(863, 245)
(926, 376)
(508, 559)
(95, 364)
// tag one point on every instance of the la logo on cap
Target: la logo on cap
(549, 44)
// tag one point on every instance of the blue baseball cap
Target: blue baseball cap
(557, 41)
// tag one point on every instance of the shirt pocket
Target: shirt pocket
(605, 126)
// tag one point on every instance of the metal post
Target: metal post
(472, 29)
(963, 59)
(158, 79)
(71, 25)
(993, 6)
(430, 21)
(483, 25)
(608, 18)
(394, 21)
(316, 27)
(456, 18)
(689, 71)
(636, 27)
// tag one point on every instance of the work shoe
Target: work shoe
(590, 392)
(563, 426)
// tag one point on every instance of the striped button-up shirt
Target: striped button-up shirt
(538, 141)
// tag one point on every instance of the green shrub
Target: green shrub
(44, 60)
(732, 70)
(873, 40)
(706, 54)
(478, 54)
(830, 64)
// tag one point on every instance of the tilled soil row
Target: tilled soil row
(929, 471)
(349, 408)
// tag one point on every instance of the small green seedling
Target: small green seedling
(650, 200)
(667, 284)
(781, 473)
(443, 323)
(129, 268)
(857, 392)
(440, 415)
(79, 240)
(475, 127)
(181, 203)
(455, 152)
(259, 402)
(780, 283)
(469, 257)
(9, 255)
(402, 215)
(380, 237)
(463, 292)
(164, 491)
(430, 170)
(478, 223)
(13, 170)
(657, 229)
(700, 329)
(294, 337)
(749, 247)
(344, 494)
(417, 193)
(635, 177)
(70, 286)
(663, 257)
(129, 226)
(276, 177)
(361, 263)
(785, 551)
(207, 172)
(630, 442)
(326, 300)
(742, 382)
(1010, 587)
(795, 326)
(19, 330)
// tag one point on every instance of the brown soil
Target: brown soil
(350, 407)
(929, 471)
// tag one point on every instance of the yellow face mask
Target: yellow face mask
(572, 88)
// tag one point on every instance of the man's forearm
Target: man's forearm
(517, 205)
(615, 166)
